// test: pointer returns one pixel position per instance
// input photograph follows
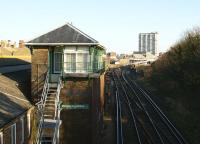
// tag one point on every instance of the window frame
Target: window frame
(54, 62)
(22, 129)
(1, 137)
(13, 133)
(76, 51)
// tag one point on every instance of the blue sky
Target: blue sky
(114, 23)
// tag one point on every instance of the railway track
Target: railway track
(151, 126)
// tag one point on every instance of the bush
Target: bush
(181, 63)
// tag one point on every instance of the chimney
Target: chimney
(21, 44)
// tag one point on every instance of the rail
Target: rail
(165, 121)
(118, 120)
(128, 104)
(145, 111)
(129, 107)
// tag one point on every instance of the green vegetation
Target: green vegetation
(175, 77)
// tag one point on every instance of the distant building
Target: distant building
(112, 55)
(123, 56)
(145, 58)
(21, 44)
(148, 42)
(8, 44)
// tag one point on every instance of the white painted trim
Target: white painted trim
(1, 137)
(76, 52)
(13, 133)
(69, 52)
(53, 29)
(56, 44)
(79, 31)
(29, 123)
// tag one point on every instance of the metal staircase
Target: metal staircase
(49, 113)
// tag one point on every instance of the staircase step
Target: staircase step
(51, 99)
(49, 104)
(48, 115)
(51, 96)
(53, 85)
(49, 108)
(49, 112)
(46, 139)
(51, 93)
(53, 89)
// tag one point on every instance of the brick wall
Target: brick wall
(38, 73)
(82, 126)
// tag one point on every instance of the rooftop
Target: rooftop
(63, 35)
(13, 94)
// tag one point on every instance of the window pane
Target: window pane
(57, 61)
(82, 62)
(70, 63)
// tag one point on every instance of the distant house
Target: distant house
(15, 113)
(57, 56)
(112, 55)
(142, 58)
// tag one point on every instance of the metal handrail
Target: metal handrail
(57, 99)
(55, 136)
(41, 105)
(57, 111)
(83, 66)
(45, 90)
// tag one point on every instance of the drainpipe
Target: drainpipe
(62, 63)
(29, 120)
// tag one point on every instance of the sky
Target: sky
(114, 23)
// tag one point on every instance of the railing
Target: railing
(57, 112)
(56, 132)
(57, 99)
(83, 67)
(41, 105)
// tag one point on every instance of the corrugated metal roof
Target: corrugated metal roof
(64, 34)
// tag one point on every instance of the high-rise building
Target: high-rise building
(148, 42)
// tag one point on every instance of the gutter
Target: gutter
(64, 44)
(56, 44)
